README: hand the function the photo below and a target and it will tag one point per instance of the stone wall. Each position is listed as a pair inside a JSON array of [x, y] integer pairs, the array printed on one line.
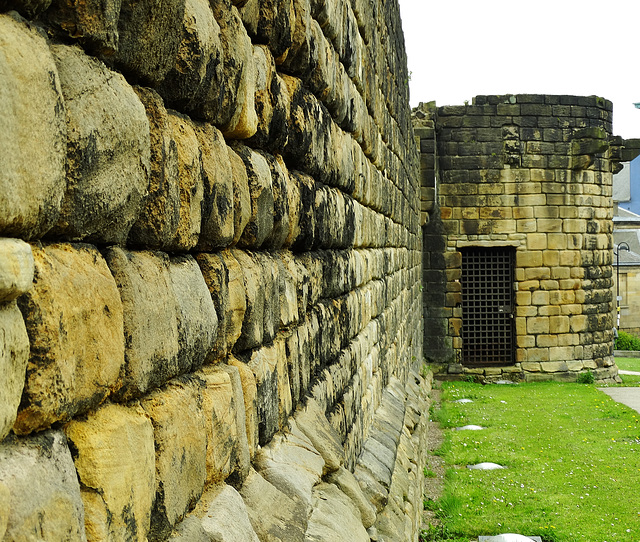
[[210, 265], [530, 175]]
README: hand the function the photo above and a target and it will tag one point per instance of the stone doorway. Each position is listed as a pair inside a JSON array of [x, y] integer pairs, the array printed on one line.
[[487, 306]]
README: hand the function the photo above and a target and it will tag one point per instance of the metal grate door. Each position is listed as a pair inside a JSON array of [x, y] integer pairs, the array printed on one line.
[[487, 305]]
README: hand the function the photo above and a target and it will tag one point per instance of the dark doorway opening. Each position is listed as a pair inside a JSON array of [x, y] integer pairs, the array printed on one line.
[[487, 305]]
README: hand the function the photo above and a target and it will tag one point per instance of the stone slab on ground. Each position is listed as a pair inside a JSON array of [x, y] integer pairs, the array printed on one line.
[[509, 538]]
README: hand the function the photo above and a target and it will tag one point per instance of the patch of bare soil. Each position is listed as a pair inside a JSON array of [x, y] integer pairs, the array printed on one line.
[[435, 468]]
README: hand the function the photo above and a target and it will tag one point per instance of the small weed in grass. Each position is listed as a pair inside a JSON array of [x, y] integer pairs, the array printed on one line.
[[586, 378], [568, 449], [428, 473], [439, 533]]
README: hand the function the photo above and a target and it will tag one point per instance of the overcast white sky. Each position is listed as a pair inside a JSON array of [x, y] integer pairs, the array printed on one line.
[[458, 49]]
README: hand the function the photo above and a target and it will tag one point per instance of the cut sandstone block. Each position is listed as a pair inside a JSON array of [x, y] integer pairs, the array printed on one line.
[[218, 200], [264, 364], [115, 460], [16, 268], [348, 484], [241, 196], [198, 61], [197, 319], [93, 22], [223, 276], [253, 322], [30, 197], [191, 188], [149, 37], [249, 392], [292, 464], [286, 203], [14, 355], [74, 319], [220, 516], [311, 420], [223, 406], [158, 221], [261, 222], [334, 517], [230, 103], [108, 150], [181, 453], [39, 489], [273, 514], [150, 316]]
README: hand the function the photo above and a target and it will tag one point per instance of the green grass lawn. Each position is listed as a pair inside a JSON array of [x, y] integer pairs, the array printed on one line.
[[629, 364], [572, 456]]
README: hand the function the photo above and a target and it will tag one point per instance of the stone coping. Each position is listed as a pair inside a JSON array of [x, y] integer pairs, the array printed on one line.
[[627, 353]]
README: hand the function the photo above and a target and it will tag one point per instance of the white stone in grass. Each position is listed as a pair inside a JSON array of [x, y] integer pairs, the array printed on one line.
[[469, 428], [509, 537], [486, 466], [504, 382], [463, 401]]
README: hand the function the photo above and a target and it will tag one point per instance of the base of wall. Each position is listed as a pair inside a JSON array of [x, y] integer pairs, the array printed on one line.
[[518, 373]]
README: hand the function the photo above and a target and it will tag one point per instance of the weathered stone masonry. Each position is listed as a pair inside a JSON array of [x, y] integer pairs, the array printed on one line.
[[210, 266], [529, 177]]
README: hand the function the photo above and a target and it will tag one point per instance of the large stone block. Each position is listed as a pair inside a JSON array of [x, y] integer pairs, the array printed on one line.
[[74, 319], [30, 197], [149, 38], [334, 517], [181, 453], [291, 464], [311, 420], [264, 364], [198, 60], [305, 237], [250, 393], [218, 199], [265, 69], [197, 319], [223, 406], [115, 460], [225, 281], [271, 280], [14, 355], [286, 202], [274, 515], [108, 150], [270, 22], [221, 515], [230, 103], [39, 489], [150, 319], [27, 8], [157, 223], [253, 322], [241, 196], [303, 53], [191, 187], [93, 22], [216, 277], [16, 268], [348, 484], [288, 285], [261, 221]]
